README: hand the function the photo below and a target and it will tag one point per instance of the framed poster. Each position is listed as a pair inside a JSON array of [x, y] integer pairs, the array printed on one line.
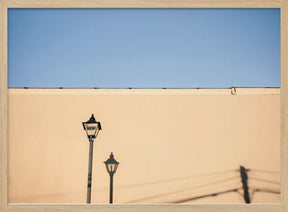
[[142, 153]]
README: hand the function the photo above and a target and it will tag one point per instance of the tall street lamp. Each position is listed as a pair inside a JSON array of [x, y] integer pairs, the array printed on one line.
[[92, 128], [111, 166]]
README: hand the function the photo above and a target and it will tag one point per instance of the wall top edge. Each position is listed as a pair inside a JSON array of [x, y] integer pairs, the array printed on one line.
[[200, 91]]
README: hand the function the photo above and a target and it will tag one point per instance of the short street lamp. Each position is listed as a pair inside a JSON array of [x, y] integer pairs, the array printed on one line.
[[92, 128], [111, 166]]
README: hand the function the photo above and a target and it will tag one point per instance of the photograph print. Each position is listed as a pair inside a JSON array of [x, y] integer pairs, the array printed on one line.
[[143, 106]]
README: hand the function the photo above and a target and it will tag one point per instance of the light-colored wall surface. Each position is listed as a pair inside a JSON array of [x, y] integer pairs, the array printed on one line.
[[170, 146]]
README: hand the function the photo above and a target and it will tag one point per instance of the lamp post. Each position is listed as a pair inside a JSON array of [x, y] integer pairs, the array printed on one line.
[[111, 166], [92, 128]]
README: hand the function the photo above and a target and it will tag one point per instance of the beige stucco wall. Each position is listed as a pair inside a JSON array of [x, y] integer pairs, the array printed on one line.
[[171, 144]]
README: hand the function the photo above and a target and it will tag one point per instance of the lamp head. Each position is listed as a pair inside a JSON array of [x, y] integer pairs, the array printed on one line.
[[111, 164], [92, 128]]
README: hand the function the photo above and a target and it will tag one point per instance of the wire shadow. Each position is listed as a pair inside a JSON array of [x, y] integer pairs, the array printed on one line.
[[264, 171], [179, 191], [207, 195], [175, 179], [266, 190], [264, 180]]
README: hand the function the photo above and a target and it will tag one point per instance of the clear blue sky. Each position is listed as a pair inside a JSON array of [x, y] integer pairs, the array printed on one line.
[[144, 48]]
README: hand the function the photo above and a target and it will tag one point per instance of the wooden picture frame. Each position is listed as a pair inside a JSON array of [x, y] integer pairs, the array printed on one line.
[[5, 4]]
